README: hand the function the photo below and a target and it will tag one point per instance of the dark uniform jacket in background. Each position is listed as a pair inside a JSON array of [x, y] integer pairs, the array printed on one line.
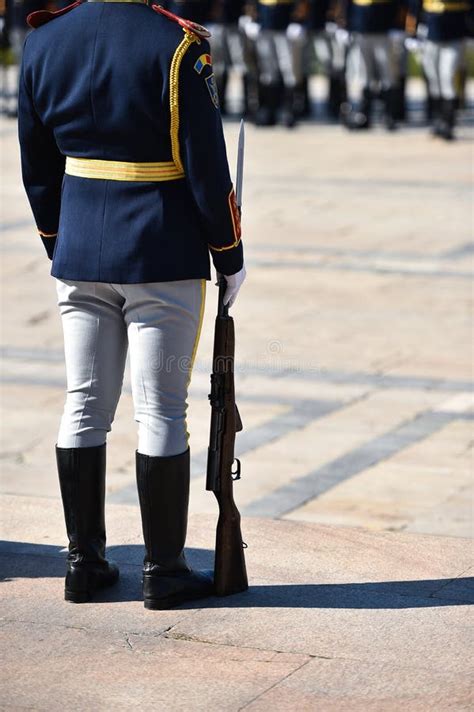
[[275, 14], [120, 82], [372, 16], [195, 10], [317, 14], [227, 12], [445, 20]]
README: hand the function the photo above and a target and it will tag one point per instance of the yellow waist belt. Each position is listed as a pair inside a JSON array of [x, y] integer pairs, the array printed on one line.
[[366, 3], [440, 7], [122, 170]]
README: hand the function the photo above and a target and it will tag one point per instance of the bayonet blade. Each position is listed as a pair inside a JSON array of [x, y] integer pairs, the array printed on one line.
[[239, 182]]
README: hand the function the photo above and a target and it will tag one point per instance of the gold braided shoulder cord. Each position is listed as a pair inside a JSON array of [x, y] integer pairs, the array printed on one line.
[[183, 47]]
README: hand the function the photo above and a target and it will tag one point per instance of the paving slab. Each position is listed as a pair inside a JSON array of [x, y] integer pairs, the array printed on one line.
[[336, 618]]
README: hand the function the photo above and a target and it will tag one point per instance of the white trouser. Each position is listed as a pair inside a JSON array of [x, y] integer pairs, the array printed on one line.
[[280, 56], [330, 53], [227, 49], [441, 61], [399, 55], [161, 323], [369, 59]]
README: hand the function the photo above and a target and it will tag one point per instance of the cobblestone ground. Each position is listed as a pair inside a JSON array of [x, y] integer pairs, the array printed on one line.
[[354, 336]]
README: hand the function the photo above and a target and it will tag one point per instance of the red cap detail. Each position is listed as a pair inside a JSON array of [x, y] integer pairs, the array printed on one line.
[[41, 17], [198, 30]]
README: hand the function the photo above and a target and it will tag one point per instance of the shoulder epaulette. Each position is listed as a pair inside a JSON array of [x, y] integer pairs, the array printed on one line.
[[187, 25], [41, 17]]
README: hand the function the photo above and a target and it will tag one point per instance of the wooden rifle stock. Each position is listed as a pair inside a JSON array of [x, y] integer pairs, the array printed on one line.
[[230, 574]]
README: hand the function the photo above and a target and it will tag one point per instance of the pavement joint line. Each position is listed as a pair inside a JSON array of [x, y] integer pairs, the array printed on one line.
[[275, 684], [325, 375], [300, 416], [294, 183], [294, 495], [455, 253], [17, 224], [449, 582], [347, 267]]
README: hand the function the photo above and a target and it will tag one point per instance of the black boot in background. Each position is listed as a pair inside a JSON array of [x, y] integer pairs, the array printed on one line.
[[82, 480], [163, 491], [359, 116], [389, 101], [435, 116], [448, 116], [337, 95], [269, 96], [288, 114]]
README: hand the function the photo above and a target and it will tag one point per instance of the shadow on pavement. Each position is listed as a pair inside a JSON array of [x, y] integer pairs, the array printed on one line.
[[22, 560]]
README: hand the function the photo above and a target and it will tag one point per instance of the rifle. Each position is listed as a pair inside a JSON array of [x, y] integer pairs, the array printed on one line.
[[230, 574]]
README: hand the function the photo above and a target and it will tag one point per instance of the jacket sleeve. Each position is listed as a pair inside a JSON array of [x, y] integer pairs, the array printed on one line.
[[203, 154], [42, 166]]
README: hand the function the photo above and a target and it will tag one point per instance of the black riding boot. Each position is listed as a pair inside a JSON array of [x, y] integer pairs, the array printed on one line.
[[163, 491], [269, 96], [337, 95], [82, 481], [435, 116], [389, 100], [288, 115], [448, 116], [356, 118]]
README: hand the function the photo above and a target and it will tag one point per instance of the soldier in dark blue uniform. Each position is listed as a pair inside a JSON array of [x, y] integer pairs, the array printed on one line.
[[227, 44], [330, 52], [369, 22], [446, 24], [280, 52], [125, 168]]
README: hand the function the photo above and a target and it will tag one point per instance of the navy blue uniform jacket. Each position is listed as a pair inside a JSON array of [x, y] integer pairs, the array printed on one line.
[[196, 10], [275, 15], [120, 82], [317, 15], [372, 16], [446, 20]]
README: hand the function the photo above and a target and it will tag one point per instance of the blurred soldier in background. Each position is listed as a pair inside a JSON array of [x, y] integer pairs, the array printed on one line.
[[280, 54], [4, 51], [443, 25], [227, 45], [370, 61], [326, 46], [399, 54], [16, 29]]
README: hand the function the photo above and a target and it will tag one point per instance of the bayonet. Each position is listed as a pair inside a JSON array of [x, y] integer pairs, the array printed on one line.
[[239, 182]]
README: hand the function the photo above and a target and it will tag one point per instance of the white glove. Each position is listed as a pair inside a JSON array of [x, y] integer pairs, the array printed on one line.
[[234, 283], [342, 36], [296, 32]]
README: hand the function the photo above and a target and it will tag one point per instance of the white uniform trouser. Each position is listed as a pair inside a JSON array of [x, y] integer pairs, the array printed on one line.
[[329, 52], [369, 59], [280, 56], [161, 323], [441, 61], [227, 49]]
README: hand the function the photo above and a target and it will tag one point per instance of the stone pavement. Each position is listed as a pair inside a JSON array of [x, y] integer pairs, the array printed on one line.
[[354, 383], [336, 619]]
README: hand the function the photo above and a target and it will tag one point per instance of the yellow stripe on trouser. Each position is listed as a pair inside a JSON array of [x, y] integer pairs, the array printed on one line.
[[122, 170], [196, 342]]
